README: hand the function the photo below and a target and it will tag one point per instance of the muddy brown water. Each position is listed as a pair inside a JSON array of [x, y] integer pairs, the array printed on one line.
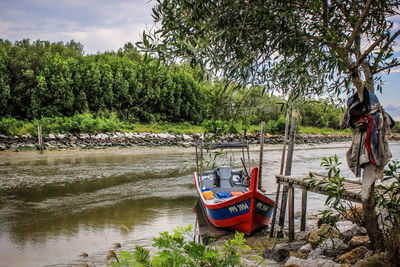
[[55, 206]]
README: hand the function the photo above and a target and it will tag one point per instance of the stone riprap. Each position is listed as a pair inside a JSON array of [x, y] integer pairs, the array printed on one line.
[[118, 139]]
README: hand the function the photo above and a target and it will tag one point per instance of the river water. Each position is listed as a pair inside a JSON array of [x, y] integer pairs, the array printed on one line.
[[57, 205]]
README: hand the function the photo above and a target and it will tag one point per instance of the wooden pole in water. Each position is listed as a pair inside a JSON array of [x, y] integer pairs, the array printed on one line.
[[278, 186], [40, 139], [303, 210], [288, 171], [261, 154]]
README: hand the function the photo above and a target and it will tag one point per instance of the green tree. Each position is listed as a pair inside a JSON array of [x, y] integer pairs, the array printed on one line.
[[304, 47]]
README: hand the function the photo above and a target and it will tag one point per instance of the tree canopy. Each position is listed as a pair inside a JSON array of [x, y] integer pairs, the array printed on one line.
[[295, 46]]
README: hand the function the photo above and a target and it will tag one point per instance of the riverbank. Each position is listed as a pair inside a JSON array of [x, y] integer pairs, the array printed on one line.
[[117, 139]]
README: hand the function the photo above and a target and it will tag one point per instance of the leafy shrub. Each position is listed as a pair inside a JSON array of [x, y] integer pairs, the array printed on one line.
[[11, 126], [177, 250]]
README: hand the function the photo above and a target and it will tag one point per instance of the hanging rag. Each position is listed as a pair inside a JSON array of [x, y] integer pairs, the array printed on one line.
[[371, 127]]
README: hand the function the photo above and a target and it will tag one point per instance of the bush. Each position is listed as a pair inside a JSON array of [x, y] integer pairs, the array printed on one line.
[[11, 126], [178, 250]]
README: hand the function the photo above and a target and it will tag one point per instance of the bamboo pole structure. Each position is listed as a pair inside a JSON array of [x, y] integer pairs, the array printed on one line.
[[288, 171], [278, 186]]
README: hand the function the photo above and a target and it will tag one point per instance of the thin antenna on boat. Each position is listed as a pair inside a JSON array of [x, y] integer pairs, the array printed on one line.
[[243, 158], [197, 161], [261, 154], [248, 155], [201, 165]]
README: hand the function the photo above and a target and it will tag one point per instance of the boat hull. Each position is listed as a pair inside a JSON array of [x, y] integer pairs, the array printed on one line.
[[245, 213]]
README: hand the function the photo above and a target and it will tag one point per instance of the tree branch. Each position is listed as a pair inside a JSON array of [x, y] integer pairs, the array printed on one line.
[[369, 50], [342, 10], [358, 26], [377, 59], [387, 67], [391, 40], [325, 15]]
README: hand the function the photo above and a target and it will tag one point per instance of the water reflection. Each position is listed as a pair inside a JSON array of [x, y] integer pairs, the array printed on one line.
[[55, 206]]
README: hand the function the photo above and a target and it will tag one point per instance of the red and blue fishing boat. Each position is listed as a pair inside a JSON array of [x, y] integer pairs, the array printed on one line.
[[232, 199]]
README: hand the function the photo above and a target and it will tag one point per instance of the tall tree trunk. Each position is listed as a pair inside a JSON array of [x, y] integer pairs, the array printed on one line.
[[368, 185], [368, 201], [369, 80], [394, 257]]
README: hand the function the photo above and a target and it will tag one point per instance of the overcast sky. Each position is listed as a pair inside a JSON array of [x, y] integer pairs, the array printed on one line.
[[101, 25]]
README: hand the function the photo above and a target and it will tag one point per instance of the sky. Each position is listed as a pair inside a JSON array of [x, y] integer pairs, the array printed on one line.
[[106, 25]]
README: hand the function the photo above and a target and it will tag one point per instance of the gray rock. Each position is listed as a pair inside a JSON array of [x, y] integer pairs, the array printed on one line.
[[61, 136], [101, 136], [316, 253], [129, 135], [311, 262], [302, 235], [187, 138], [349, 229], [163, 135], [306, 248], [52, 137], [2, 136], [84, 136], [278, 255], [292, 246], [368, 254], [332, 246]]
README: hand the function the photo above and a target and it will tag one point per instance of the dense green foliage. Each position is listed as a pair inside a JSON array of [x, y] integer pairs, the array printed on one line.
[[56, 85], [46, 79]]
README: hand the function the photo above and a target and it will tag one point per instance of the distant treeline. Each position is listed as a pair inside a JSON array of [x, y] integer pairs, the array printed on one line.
[[45, 80]]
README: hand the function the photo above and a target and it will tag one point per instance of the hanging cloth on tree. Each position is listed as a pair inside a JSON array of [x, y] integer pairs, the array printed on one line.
[[371, 129]]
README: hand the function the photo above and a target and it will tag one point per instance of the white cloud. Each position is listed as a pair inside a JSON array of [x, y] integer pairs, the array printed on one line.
[[393, 111], [395, 70], [99, 25]]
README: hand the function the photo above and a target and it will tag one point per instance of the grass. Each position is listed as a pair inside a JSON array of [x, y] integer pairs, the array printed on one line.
[[323, 131], [182, 128], [88, 123]]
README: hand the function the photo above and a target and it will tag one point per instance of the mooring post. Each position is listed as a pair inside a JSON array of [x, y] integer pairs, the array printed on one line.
[[291, 213], [288, 171], [303, 210], [40, 139], [278, 186]]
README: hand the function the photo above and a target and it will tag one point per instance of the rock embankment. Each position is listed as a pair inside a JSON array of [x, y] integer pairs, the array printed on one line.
[[345, 244], [117, 139]]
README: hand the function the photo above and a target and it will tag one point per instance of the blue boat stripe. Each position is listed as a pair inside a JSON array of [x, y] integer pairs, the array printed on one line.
[[230, 211], [263, 209]]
